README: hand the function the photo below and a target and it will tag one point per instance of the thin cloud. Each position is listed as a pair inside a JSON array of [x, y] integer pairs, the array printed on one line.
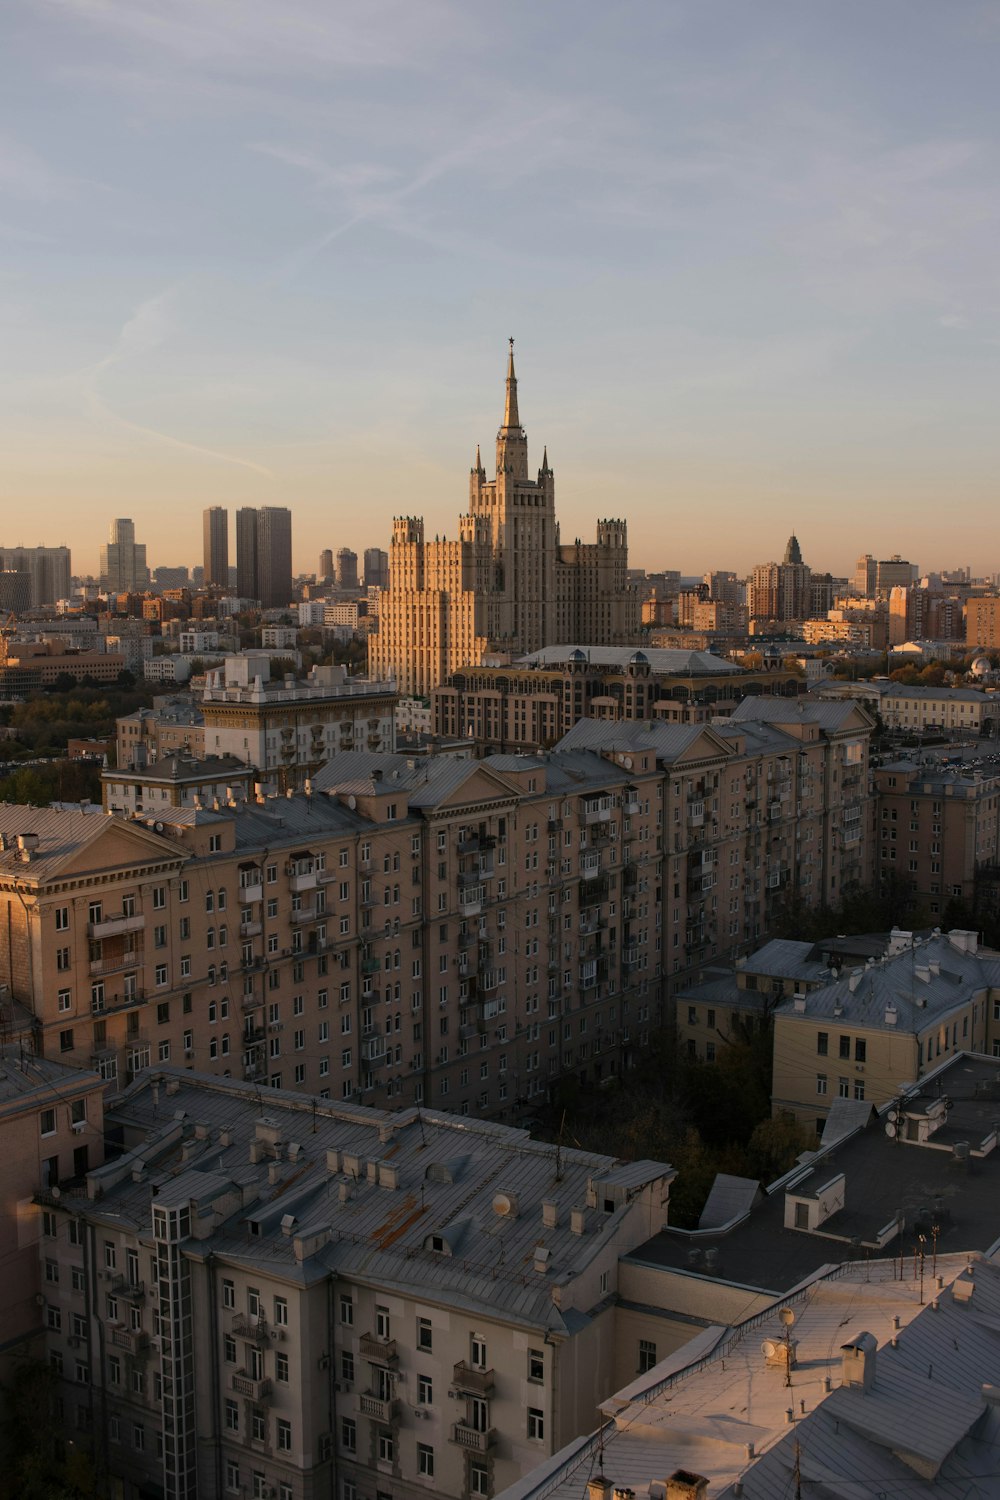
[[142, 333]]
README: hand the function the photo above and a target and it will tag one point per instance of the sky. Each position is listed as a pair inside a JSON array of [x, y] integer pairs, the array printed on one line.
[[271, 254]]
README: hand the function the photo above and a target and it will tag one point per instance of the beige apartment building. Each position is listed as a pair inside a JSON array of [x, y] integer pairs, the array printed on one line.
[[507, 583], [52, 1120], [175, 780], [288, 729], [172, 724], [936, 829], [771, 803], [318, 1300], [952, 710], [452, 932]]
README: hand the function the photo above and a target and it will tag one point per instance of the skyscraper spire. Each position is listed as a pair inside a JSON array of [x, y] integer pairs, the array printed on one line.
[[510, 417], [477, 467]]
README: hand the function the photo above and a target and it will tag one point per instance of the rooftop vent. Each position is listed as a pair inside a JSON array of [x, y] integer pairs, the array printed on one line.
[[682, 1484], [857, 1361]]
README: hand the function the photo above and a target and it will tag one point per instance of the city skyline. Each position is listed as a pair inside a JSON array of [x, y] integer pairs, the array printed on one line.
[[747, 255]]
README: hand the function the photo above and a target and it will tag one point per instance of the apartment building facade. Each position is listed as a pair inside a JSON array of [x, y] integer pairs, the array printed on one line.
[[287, 729], [772, 803], [937, 829], [331, 1301], [507, 582], [451, 932], [951, 710]]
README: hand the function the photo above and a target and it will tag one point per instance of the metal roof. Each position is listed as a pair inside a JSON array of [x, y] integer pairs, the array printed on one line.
[[665, 661]]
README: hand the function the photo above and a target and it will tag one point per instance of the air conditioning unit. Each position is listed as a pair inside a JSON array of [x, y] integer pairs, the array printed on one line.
[[455, 1395], [77, 1126], [324, 1364]]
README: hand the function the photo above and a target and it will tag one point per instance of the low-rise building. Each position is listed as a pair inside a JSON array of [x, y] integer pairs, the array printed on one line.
[[869, 1031], [176, 780], [324, 1300], [949, 710], [173, 723]]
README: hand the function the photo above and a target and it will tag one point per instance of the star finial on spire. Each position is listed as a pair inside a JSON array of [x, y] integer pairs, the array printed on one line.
[[510, 417]]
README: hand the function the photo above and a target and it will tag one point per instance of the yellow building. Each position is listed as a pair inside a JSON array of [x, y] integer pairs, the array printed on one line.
[[878, 1027]]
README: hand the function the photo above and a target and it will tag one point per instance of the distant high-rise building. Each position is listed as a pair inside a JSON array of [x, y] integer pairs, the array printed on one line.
[[781, 591], [15, 592], [376, 568], [123, 560], [865, 576], [274, 556], [48, 568], [894, 572], [325, 565], [507, 583], [347, 568], [216, 533], [247, 578], [171, 578]]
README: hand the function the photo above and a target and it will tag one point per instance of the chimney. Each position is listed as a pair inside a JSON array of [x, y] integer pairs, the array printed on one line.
[[577, 1217], [684, 1485], [550, 1215], [599, 1488], [857, 1361], [855, 979]]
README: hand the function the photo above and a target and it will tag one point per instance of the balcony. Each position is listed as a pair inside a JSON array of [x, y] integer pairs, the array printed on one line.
[[371, 966], [251, 929], [250, 1328], [590, 868], [115, 926], [373, 1053], [305, 880], [132, 1291], [304, 914], [470, 900], [132, 1340], [468, 1437], [375, 1406], [466, 1377], [696, 813], [252, 892], [258, 1390], [379, 1351], [630, 877], [115, 963], [596, 812]]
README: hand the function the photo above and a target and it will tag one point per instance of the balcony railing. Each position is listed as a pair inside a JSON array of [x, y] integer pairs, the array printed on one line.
[[132, 1340], [304, 914], [466, 1377], [114, 963], [305, 881], [469, 1437], [383, 1410], [252, 892], [379, 1351], [115, 926], [246, 1385], [250, 1328]]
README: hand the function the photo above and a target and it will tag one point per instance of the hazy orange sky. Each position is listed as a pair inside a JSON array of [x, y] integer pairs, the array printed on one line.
[[259, 255]]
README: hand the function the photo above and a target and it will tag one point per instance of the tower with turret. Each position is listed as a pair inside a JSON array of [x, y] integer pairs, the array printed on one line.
[[507, 584]]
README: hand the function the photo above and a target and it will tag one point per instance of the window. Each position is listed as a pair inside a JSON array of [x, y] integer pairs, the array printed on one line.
[[66, 1040], [477, 1352], [281, 1312], [860, 1049], [386, 1447], [253, 1302], [822, 1043], [232, 1476], [821, 1083], [281, 1367], [844, 1088], [382, 1322], [228, 1294], [347, 1310], [536, 1364], [425, 1461], [232, 1416], [647, 1355], [62, 919], [229, 1349], [47, 1122], [425, 1390], [478, 1479], [258, 1425], [284, 1433], [425, 1334], [845, 1047], [536, 1423]]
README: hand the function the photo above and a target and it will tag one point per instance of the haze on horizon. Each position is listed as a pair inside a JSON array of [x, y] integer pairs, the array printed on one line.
[[258, 255]]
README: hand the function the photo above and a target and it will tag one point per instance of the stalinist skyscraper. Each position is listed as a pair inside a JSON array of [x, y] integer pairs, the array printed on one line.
[[507, 583]]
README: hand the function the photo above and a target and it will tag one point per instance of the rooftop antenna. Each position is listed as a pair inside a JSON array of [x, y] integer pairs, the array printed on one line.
[[260, 1102], [314, 1115], [423, 1138]]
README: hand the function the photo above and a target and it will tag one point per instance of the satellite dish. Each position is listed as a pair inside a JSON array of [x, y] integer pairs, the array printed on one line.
[[769, 1348], [56, 1192], [158, 827], [890, 1130], [352, 802], [627, 762], [787, 1316], [894, 1115]]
